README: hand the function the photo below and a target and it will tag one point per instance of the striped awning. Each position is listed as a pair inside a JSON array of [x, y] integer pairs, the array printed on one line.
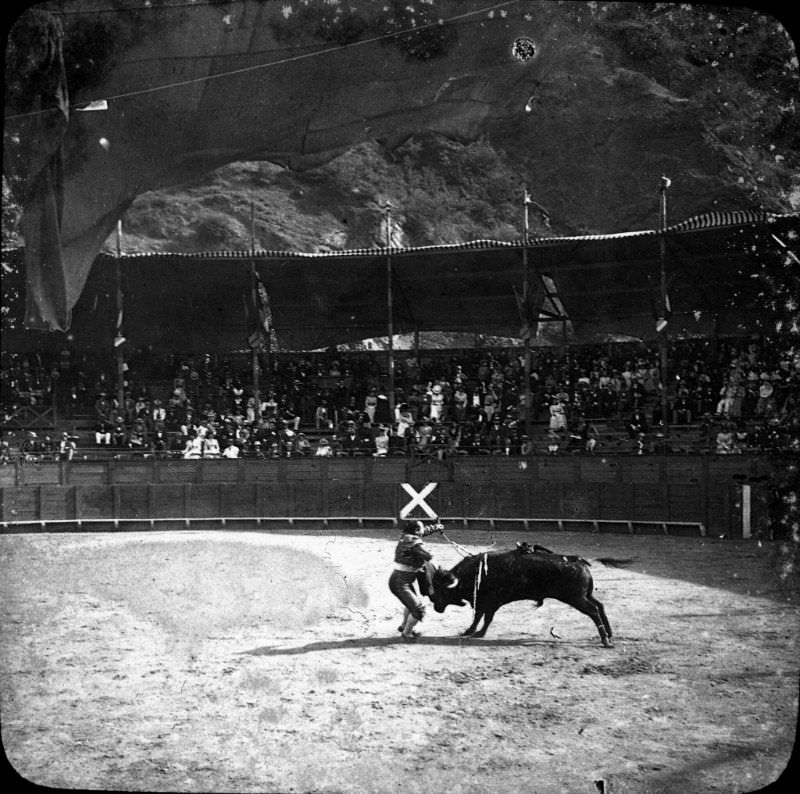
[[606, 284], [720, 219]]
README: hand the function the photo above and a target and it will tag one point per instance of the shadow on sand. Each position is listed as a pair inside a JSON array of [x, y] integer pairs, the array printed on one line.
[[384, 642]]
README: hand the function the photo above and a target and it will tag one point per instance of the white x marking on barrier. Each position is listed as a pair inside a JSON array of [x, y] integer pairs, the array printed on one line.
[[418, 499]]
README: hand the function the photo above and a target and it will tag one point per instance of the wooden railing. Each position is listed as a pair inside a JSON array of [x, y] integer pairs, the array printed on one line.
[[29, 417]]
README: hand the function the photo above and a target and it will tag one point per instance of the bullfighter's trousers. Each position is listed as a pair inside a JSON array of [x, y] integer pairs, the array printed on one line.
[[401, 583]]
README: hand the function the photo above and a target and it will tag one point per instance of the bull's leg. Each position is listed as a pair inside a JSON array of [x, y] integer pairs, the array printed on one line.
[[474, 624], [488, 617], [601, 610], [589, 606]]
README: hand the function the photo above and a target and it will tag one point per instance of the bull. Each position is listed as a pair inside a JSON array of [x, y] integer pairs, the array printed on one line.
[[492, 579]]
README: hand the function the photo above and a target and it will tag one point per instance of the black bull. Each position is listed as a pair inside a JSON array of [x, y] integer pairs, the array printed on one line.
[[488, 581]]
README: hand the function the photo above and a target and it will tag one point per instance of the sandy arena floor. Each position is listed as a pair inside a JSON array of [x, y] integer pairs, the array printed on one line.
[[267, 662]]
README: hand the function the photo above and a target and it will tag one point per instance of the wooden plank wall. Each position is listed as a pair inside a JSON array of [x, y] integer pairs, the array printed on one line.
[[673, 488]]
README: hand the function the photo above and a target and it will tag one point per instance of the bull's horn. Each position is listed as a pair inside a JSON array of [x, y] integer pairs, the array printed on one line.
[[455, 583]]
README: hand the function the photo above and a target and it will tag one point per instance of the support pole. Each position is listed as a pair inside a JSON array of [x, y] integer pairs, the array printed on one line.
[[389, 310], [118, 338], [256, 367], [528, 329], [663, 341]]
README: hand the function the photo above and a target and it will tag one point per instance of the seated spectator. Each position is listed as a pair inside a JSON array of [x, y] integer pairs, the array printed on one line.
[[741, 438], [286, 436], [489, 404], [424, 437], [210, 448], [6, 455], [657, 415], [370, 405], [682, 409], [637, 425], [724, 440], [460, 400], [437, 402], [351, 440], [231, 451], [102, 433], [250, 411], [405, 422], [66, 447], [194, 447], [510, 434], [302, 445], [588, 435], [558, 416], [102, 406], [381, 442], [324, 449], [452, 440], [119, 434], [242, 435], [158, 412], [495, 436], [269, 407], [237, 396], [159, 443], [322, 420], [189, 425], [136, 437], [176, 445], [289, 416], [765, 407]]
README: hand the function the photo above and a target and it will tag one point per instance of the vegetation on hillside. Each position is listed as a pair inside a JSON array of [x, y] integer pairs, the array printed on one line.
[[736, 71], [441, 191]]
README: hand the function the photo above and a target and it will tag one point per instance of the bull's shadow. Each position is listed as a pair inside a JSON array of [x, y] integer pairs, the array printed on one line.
[[383, 642]]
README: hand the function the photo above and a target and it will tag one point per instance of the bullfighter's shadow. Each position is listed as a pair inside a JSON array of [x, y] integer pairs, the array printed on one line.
[[383, 642]]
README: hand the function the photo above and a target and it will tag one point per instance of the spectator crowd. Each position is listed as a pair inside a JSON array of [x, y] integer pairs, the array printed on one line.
[[736, 395]]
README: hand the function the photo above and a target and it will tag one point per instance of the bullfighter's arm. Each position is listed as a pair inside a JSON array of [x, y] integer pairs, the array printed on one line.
[[429, 529], [420, 550]]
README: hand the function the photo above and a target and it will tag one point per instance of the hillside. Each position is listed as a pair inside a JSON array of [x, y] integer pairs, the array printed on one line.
[[702, 94], [440, 191], [315, 112]]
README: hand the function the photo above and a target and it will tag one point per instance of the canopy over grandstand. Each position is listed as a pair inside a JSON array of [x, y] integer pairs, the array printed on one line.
[[605, 285]]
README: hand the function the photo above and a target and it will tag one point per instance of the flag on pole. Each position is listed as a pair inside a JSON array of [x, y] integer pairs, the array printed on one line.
[[119, 339], [528, 304], [262, 305], [261, 318]]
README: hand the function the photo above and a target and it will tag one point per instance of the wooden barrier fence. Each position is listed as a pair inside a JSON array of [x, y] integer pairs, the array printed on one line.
[[667, 493]]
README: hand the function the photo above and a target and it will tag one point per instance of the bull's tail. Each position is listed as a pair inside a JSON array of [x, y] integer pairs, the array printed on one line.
[[615, 562]]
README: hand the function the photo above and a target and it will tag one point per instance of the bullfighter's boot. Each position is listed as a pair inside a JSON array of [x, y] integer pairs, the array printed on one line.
[[406, 613], [408, 626]]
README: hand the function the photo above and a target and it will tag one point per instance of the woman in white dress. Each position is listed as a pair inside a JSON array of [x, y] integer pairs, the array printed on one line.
[[558, 417]]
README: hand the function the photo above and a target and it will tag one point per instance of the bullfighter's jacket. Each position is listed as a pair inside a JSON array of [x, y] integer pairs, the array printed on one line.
[[411, 554]]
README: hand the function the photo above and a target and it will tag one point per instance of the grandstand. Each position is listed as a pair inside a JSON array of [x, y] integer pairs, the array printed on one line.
[[255, 355]]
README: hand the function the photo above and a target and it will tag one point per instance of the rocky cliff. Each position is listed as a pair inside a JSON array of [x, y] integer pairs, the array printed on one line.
[[327, 109]]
